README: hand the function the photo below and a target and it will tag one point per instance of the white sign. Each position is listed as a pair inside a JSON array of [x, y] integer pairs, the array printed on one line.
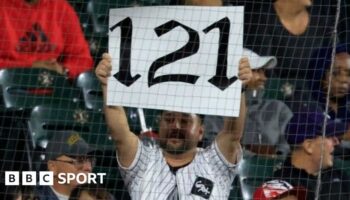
[[179, 58]]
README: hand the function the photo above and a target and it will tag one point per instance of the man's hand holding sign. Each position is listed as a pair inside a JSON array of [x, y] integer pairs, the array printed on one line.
[[145, 70]]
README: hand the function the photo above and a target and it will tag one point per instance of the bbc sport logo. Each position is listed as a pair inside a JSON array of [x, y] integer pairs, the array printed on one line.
[[46, 178]]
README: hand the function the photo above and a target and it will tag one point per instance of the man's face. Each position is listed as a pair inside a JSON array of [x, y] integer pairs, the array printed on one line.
[[258, 79], [328, 144], [179, 132], [340, 83], [65, 164]]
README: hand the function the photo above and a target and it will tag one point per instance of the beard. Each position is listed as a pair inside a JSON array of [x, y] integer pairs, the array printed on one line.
[[166, 145]]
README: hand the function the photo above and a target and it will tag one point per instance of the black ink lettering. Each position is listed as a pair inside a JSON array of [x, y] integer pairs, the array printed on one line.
[[220, 79], [124, 74], [189, 49]]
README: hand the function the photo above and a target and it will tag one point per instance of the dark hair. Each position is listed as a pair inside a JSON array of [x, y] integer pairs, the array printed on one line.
[[94, 190]]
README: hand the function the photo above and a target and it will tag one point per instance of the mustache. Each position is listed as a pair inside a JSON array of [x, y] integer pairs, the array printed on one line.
[[179, 134]]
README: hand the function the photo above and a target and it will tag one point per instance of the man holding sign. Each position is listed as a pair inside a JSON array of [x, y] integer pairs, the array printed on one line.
[[177, 169]]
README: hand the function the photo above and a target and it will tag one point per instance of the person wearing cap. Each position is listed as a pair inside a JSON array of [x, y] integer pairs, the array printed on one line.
[[176, 168], [66, 152], [281, 190], [312, 154], [321, 78], [266, 119]]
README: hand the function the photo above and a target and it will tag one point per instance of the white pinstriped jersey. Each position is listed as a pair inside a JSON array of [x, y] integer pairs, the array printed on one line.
[[208, 176]]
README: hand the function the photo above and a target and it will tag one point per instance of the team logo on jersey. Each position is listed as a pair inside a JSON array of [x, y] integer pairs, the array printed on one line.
[[202, 187]]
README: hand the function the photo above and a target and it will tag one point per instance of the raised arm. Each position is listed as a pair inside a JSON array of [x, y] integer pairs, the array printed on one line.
[[126, 141], [228, 140]]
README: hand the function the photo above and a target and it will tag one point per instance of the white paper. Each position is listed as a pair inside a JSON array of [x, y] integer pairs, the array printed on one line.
[[201, 97]]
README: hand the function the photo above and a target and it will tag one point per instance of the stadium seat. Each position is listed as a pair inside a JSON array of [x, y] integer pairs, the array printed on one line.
[[91, 91], [99, 12], [24, 88], [46, 120], [93, 100], [253, 170], [235, 193], [344, 165], [80, 8], [97, 30], [286, 89]]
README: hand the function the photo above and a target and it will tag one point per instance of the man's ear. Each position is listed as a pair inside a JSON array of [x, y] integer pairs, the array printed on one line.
[[308, 146], [201, 132]]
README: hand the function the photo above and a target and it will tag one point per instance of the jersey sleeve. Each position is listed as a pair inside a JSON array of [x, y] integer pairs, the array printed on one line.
[[139, 164], [218, 162]]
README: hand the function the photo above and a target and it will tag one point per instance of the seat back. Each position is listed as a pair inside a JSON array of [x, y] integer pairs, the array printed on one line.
[[91, 91], [286, 89], [24, 88], [90, 88], [253, 171], [45, 121], [99, 12]]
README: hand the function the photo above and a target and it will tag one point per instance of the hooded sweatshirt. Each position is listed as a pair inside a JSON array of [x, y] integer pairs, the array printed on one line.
[[47, 30]]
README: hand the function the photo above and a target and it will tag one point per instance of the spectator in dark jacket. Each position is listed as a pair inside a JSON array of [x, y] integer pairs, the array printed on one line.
[[66, 152], [312, 155]]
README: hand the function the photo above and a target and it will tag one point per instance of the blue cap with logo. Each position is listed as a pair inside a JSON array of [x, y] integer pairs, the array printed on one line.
[[308, 124], [67, 143]]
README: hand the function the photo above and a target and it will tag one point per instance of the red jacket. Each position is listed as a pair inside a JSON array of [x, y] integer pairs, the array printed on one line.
[[47, 30]]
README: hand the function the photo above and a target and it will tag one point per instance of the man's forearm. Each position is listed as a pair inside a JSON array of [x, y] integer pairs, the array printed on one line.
[[115, 119], [235, 125]]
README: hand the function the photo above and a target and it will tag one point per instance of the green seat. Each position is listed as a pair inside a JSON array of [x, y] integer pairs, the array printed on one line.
[[80, 8], [91, 91], [151, 117], [285, 89], [45, 121], [24, 88], [99, 12], [253, 171], [235, 192], [343, 165]]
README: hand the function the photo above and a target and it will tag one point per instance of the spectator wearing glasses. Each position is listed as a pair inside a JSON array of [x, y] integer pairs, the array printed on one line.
[[66, 152], [336, 80]]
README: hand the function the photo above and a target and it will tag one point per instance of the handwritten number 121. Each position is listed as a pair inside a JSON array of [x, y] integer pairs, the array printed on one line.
[[219, 80]]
